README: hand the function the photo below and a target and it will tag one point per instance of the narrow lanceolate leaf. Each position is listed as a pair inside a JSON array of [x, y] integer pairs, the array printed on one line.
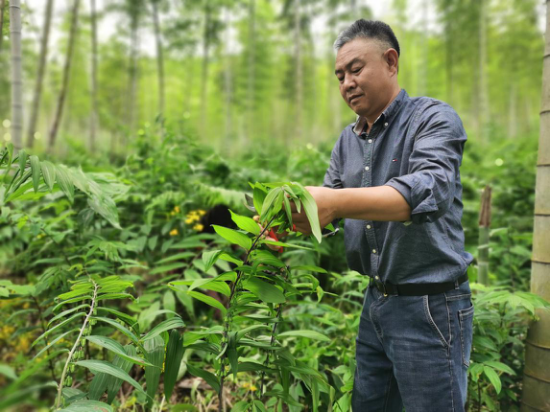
[[245, 223], [123, 316], [310, 206], [35, 167], [72, 300], [170, 324], [210, 378], [154, 351], [116, 348], [57, 327], [104, 382], [48, 172], [55, 340], [65, 182], [270, 203], [87, 406], [233, 236], [101, 366], [209, 258], [119, 327], [67, 312], [264, 291], [493, 377], [174, 354], [305, 333], [208, 300]]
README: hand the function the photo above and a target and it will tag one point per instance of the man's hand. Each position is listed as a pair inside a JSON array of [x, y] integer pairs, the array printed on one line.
[[324, 198]]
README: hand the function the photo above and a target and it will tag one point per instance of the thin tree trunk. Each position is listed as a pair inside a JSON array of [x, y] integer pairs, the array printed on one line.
[[536, 381], [483, 93], [94, 118], [2, 6], [133, 76], [299, 69], [160, 62], [251, 68], [205, 61], [66, 73], [483, 243], [512, 112], [423, 69], [16, 74], [40, 78], [227, 80]]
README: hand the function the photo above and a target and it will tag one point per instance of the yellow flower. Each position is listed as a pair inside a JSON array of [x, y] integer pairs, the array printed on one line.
[[253, 388], [189, 221], [176, 209], [198, 227], [246, 385], [201, 212], [174, 232]]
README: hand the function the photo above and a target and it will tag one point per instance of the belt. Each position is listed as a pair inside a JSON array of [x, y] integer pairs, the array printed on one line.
[[388, 288]]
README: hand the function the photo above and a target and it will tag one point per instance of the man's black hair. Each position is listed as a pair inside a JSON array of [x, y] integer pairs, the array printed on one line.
[[368, 29]]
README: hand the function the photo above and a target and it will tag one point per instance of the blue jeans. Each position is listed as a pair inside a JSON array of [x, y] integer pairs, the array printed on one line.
[[413, 351]]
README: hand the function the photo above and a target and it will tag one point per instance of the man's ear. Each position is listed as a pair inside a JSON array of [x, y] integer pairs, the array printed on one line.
[[392, 59]]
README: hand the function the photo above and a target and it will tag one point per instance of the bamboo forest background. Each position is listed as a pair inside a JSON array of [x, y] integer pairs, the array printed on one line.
[[156, 111]]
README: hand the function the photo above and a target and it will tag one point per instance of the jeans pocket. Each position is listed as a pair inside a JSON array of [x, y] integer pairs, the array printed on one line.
[[466, 320], [437, 314]]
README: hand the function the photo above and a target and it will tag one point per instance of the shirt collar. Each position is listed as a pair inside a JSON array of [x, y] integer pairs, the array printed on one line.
[[385, 115]]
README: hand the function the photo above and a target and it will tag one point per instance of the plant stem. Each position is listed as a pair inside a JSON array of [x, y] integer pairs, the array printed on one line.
[[43, 331], [229, 314], [77, 341], [279, 311]]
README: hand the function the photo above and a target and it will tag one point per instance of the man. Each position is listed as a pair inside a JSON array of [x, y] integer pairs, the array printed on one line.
[[394, 177]]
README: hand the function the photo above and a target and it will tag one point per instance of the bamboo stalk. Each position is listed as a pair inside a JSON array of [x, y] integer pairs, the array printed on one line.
[[483, 242]]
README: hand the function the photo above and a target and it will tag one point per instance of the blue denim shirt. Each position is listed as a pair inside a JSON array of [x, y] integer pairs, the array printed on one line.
[[415, 146]]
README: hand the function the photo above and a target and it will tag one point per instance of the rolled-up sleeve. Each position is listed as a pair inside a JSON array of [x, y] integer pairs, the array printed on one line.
[[429, 186]]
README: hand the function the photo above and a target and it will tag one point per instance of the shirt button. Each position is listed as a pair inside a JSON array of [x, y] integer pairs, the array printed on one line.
[[377, 277], [374, 251], [368, 226], [366, 168], [369, 141], [386, 124]]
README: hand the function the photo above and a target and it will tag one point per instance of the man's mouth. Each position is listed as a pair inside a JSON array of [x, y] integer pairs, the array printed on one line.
[[354, 97]]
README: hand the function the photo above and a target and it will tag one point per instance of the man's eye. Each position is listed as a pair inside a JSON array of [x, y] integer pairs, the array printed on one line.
[[357, 70]]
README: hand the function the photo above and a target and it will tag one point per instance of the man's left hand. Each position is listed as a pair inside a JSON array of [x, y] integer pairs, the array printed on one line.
[[324, 198]]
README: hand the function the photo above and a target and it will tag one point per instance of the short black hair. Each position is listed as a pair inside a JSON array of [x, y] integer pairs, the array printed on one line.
[[368, 29]]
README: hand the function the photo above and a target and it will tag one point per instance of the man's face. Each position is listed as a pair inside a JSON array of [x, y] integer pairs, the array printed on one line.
[[367, 77]]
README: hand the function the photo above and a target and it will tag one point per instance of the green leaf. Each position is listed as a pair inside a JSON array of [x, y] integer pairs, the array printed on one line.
[[35, 168], [209, 258], [48, 172], [154, 349], [259, 195], [168, 267], [101, 366], [286, 244], [245, 223], [493, 378], [58, 326], [233, 236], [309, 268], [210, 378], [211, 284], [271, 203], [264, 291], [65, 182], [208, 300], [304, 333], [116, 348], [119, 327], [174, 354], [51, 343], [67, 312], [500, 366], [87, 406], [170, 324], [123, 316], [310, 206], [8, 372]]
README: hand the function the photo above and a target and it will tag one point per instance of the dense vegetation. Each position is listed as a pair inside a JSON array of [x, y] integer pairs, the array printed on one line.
[[116, 293]]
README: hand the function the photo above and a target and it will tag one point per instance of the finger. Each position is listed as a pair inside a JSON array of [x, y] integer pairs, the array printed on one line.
[[293, 207]]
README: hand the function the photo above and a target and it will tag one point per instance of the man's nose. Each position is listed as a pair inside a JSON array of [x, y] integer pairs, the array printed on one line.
[[348, 83]]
